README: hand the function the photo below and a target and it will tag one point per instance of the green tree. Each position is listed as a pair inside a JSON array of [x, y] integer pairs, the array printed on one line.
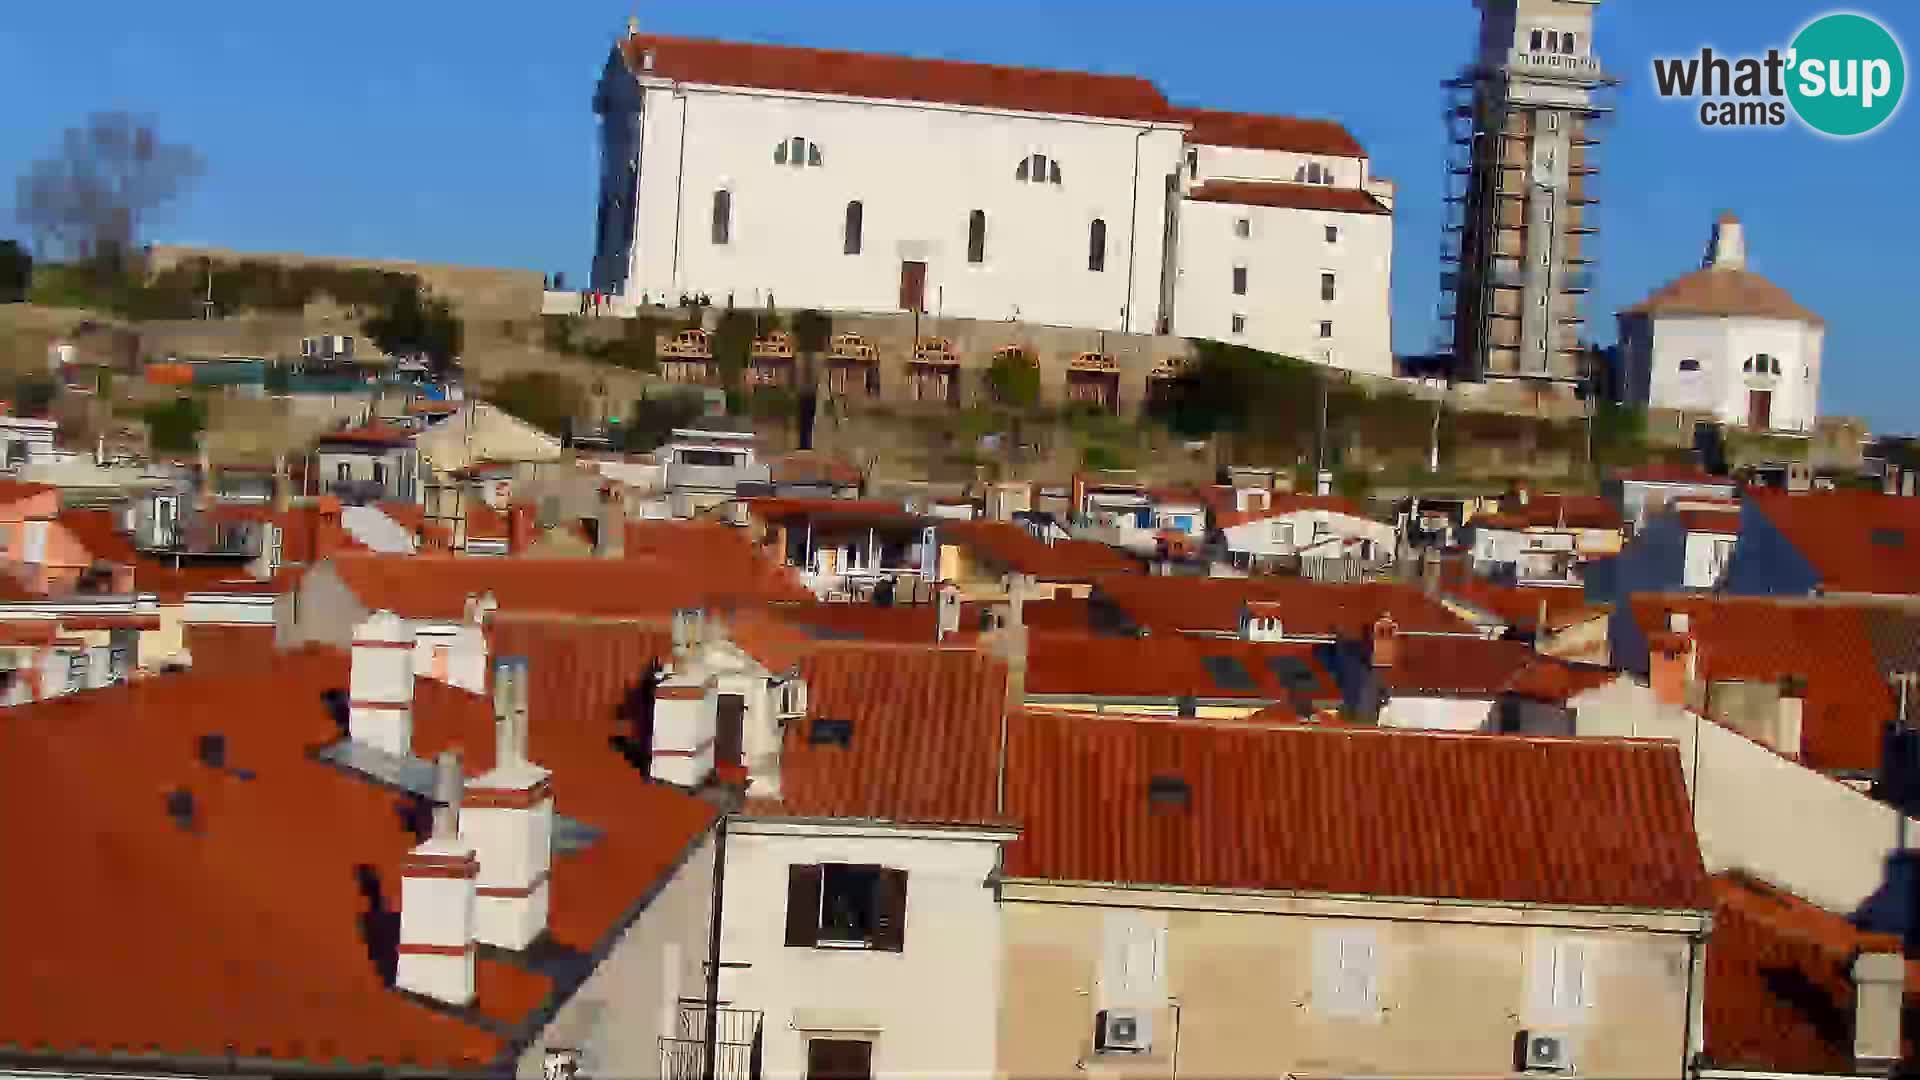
[[548, 401], [16, 272], [732, 344], [175, 426], [653, 419], [812, 330], [409, 322], [1014, 379]]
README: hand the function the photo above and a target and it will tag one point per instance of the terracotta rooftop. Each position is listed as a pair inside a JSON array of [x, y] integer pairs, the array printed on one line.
[[260, 948], [1762, 640], [1551, 511], [900, 78], [1519, 605], [1304, 809], [1165, 605], [1280, 503], [1545, 678], [924, 742], [15, 490], [1779, 987], [436, 587], [1288, 196], [1856, 541], [370, 435], [778, 508], [1724, 291], [229, 650], [100, 535], [172, 584], [1723, 522], [1454, 666], [1013, 548], [1253, 131], [906, 624], [1175, 666]]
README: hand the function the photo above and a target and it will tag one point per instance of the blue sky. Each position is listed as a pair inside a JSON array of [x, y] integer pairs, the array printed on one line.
[[462, 132]]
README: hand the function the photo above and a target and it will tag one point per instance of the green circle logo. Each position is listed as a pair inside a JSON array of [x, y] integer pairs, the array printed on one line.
[[1847, 75]]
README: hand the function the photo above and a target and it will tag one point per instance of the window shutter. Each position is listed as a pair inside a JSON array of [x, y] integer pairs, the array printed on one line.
[[890, 911], [803, 905], [1570, 976]]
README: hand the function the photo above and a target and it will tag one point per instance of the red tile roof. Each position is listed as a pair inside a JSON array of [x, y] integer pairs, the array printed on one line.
[[413, 518], [1724, 291], [906, 624], [12, 491], [1856, 541], [1724, 522], [1547, 679], [715, 548], [1553, 512], [100, 535], [307, 533], [772, 509], [1305, 808], [173, 584], [247, 935], [1065, 614], [1518, 606], [925, 737], [1288, 196], [1253, 131], [1280, 503], [430, 587], [899, 78], [1779, 987], [230, 650], [1757, 639], [1454, 666], [1170, 666], [372, 435], [1010, 547], [1165, 605]]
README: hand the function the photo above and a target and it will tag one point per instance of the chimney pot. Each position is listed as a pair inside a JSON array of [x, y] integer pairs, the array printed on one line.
[[1386, 642], [380, 684], [1879, 988], [437, 900], [509, 818]]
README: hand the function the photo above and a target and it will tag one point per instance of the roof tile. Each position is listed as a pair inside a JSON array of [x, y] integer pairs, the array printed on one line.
[[1857, 541], [1289, 196]]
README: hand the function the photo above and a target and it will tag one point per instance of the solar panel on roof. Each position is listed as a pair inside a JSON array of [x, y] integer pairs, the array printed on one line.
[[1228, 673], [1293, 672]]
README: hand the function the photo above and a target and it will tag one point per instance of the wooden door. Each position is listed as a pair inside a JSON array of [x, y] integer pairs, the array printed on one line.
[[839, 1059], [731, 723], [913, 286], [1760, 409]]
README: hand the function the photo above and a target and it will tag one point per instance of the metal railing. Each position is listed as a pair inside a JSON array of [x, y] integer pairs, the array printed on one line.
[[736, 1053]]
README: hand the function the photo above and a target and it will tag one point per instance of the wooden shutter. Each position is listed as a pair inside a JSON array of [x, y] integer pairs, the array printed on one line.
[[803, 905], [890, 911]]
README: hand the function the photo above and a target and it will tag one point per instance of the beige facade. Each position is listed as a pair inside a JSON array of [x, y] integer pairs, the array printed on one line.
[[1252, 985]]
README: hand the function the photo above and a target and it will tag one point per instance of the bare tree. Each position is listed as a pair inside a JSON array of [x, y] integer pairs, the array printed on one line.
[[90, 199]]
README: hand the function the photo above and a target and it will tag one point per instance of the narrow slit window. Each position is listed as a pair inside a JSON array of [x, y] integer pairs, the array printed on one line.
[[798, 155], [1097, 245], [722, 216], [1239, 281], [855, 213], [977, 236]]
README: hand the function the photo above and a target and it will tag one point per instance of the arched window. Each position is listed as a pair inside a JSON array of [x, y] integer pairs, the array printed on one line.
[[1097, 245], [1023, 170], [1053, 172], [1039, 174], [797, 152], [977, 236], [798, 155], [1748, 366], [722, 216], [855, 212], [1037, 169]]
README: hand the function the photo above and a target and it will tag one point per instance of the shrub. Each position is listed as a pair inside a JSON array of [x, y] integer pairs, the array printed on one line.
[[175, 426], [1013, 379], [545, 399]]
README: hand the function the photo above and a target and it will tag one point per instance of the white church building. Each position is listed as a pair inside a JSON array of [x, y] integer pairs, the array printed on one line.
[[1724, 340], [865, 183]]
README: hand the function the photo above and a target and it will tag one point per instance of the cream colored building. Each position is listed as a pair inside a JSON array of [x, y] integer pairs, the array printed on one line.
[[1269, 908]]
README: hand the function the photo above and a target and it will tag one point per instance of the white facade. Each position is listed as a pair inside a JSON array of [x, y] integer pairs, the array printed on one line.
[[765, 195], [1436, 713], [930, 1009], [1725, 342], [1303, 530], [1282, 262]]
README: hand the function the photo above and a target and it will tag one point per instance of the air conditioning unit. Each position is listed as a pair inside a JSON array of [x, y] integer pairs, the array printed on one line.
[[1122, 1031], [1543, 1052]]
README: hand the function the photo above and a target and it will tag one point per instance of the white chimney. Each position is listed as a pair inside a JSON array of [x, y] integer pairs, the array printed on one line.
[[508, 816], [1879, 987], [684, 724], [437, 901], [1678, 622], [1728, 248], [478, 607], [949, 613], [380, 685]]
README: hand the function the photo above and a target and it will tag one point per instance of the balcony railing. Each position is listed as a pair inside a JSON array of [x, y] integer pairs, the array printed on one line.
[[736, 1053]]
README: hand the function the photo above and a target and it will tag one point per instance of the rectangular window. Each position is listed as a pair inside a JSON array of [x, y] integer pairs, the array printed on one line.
[[1536, 39], [1333, 234], [1193, 163], [977, 236], [343, 472], [1326, 328], [1553, 41], [1346, 976], [1243, 227], [839, 1059], [1326, 287], [1239, 281], [1566, 43], [1562, 983], [379, 472], [847, 905], [1239, 323]]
